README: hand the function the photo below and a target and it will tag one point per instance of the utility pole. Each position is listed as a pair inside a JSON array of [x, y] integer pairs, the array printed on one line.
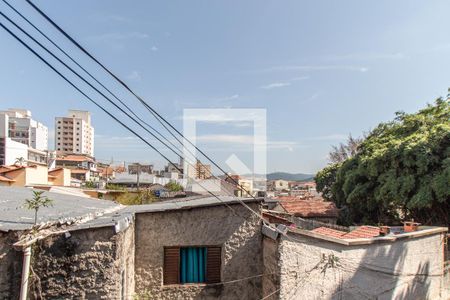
[[138, 173]]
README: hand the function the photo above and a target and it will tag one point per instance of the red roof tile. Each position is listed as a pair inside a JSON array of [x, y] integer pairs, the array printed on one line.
[[5, 179], [73, 157], [329, 232], [363, 232], [310, 208]]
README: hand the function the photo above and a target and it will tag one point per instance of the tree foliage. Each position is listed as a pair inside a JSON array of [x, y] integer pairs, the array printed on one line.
[[174, 186], [345, 150], [401, 170]]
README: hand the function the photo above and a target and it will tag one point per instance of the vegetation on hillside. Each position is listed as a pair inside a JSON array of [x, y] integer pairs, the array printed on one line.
[[401, 170]]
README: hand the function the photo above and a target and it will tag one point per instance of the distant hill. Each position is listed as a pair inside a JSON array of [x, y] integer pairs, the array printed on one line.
[[290, 176]]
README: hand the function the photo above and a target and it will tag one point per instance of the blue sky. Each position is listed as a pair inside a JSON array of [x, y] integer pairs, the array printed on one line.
[[322, 69]]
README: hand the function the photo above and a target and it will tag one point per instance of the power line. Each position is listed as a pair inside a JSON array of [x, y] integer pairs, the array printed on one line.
[[157, 116], [112, 102], [110, 114], [111, 93]]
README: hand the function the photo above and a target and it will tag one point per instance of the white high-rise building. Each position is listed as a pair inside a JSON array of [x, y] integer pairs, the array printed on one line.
[[23, 129], [74, 134], [21, 136]]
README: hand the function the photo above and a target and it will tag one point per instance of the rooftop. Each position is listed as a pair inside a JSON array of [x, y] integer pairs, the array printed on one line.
[[87, 212], [364, 235], [310, 208], [66, 208], [74, 157]]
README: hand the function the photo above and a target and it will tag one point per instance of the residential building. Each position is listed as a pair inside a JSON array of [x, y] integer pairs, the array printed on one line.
[[23, 129], [137, 251], [82, 167], [206, 248], [74, 134], [140, 168], [323, 211], [278, 185], [197, 170], [21, 137], [202, 171], [33, 175]]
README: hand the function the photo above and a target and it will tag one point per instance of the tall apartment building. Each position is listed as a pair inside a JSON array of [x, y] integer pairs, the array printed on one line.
[[198, 170], [74, 134], [22, 137]]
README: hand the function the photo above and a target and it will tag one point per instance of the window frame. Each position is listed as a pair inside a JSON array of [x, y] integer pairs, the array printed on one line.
[[207, 280]]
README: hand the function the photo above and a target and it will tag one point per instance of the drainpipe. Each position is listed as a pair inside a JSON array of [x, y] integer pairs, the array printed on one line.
[[25, 272]]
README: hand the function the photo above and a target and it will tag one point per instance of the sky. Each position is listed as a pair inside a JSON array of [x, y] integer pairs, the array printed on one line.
[[321, 70]]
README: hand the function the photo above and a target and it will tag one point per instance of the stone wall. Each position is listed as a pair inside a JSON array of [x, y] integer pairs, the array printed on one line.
[[240, 238], [87, 265], [10, 266], [409, 268]]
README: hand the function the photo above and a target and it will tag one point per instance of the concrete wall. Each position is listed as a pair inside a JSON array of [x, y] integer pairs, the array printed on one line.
[[241, 251], [270, 282], [62, 177], [409, 268], [89, 264]]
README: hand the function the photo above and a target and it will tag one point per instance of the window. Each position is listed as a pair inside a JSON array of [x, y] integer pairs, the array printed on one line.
[[192, 265]]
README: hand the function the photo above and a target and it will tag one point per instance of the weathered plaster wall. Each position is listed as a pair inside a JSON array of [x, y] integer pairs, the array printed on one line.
[[241, 253], [10, 266], [271, 266], [87, 265], [405, 269]]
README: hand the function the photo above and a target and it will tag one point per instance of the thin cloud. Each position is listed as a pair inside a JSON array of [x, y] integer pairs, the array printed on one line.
[[241, 140], [111, 18], [275, 85], [154, 48], [330, 137], [367, 56], [283, 83], [227, 98], [116, 36], [135, 76], [361, 69]]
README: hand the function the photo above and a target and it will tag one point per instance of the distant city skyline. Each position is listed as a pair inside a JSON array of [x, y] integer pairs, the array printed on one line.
[[319, 81]]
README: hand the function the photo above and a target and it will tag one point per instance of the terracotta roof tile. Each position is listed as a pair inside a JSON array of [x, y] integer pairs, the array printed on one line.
[[329, 232], [366, 232], [310, 208], [78, 171], [6, 179], [363, 232], [75, 158]]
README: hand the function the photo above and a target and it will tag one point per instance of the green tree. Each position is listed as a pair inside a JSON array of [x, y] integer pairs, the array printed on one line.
[[19, 161], [37, 202], [401, 170], [174, 187]]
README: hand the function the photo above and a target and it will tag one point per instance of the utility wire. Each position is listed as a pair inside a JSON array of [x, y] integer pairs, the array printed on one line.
[[110, 114], [157, 116], [86, 71], [108, 90], [112, 102]]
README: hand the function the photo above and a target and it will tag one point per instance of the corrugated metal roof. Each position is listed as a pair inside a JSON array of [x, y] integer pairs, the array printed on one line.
[[13, 215]]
